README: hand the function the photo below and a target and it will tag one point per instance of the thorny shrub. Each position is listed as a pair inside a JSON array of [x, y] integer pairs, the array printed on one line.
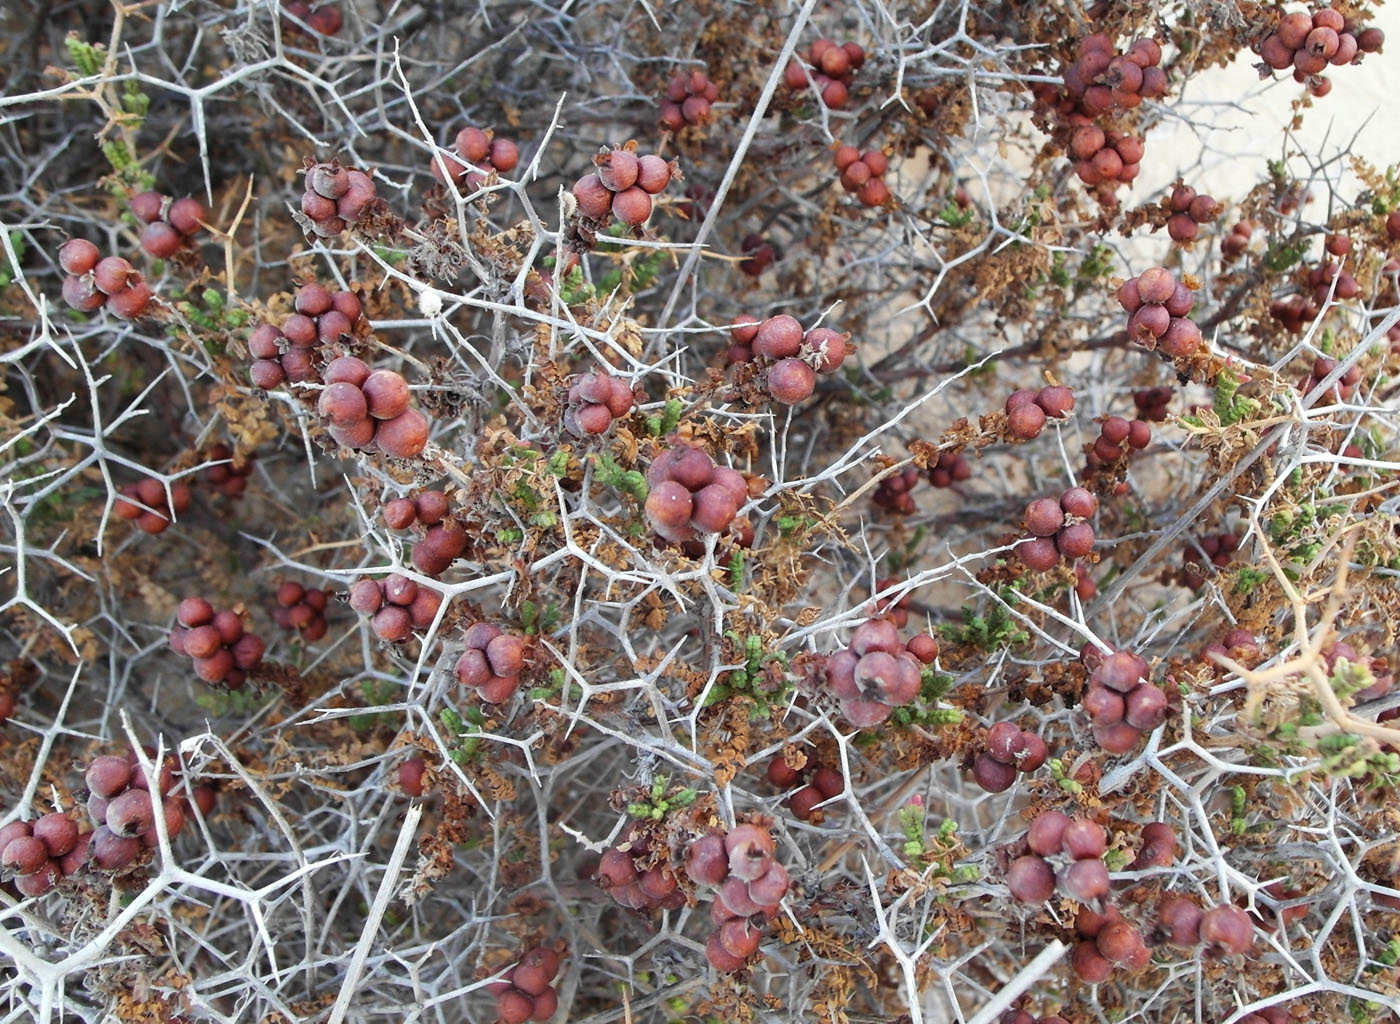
[[493, 522]]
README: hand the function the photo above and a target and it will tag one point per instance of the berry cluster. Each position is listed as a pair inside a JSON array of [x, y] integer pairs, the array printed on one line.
[[335, 197], [301, 609], [1059, 528], [798, 356], [878, 672], [1189, 211], [894, 609], [687, 100], [623, 184], [818, 785], [288, 352], [1117, 437], [623, 877], [527, 993], [442, 542], [863, 174], [595, 400], [1218, 548], [231, 477], [222, 651], [1159, 304], [1106, 941], [1236, 241], [760, 253], [369, 410], [1009, 749], [690, 495], [1105, 158], [1152, 403], [751, 884], [953, 468], [1224, 929], [1239, 645], [1298, 309], [148, 503], [1100, 80], [492, 662], [1027, 410], [93, 282], [42, 851], [1308, 43], [123, 809], [481, 152], [1342, 389], [830, 68], [894, 493], [1120, 700], [1158, 848], [397, 605], [426, 507], [323, 19], [1064, 854], [169, 223]]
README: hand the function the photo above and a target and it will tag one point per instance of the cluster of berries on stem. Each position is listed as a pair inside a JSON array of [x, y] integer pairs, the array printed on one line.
[[149, 504], [335, 197], [41, 852], [287, 353], [750, 884], [862, 174], [1063, 854], [443, 540], [1059, 528], [481, 152], [828, 66], [1008, 749], [230, 476], [170, 223], [396, 604], [690, 495], [216, 641], [95, 281], [1117, 437], [1217, 548], [1121, 701], [1189, 211], [797, 355], [1308, 43], [492, 662], [123, 808], [1158, 305], [1236, 240], [687, 101], [301, 609], [624, 875], [595, 400], [878, 672], [623, 185], [369, 409], [1027, 410], [815, 785], [527, 991], [895, 492]]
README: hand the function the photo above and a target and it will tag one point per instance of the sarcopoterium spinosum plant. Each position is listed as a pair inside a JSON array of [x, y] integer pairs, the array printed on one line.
[[605, 512]]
